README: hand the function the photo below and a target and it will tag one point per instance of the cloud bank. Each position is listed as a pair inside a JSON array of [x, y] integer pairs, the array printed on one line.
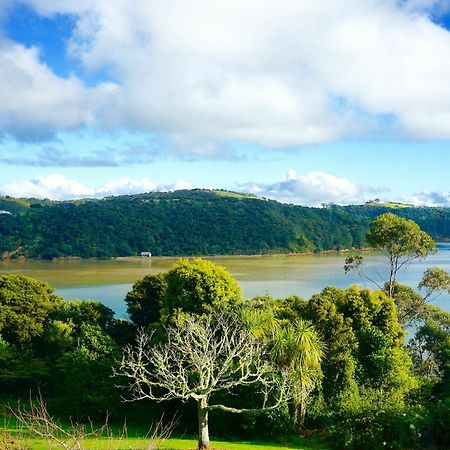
[[313, 189], [57, 187], [308, 189], [211, 71]]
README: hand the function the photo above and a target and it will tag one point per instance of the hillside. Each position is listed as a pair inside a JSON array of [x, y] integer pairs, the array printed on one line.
[[190, 222]]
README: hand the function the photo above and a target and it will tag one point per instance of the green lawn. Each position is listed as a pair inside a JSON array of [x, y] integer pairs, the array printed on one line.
[[12, 441]]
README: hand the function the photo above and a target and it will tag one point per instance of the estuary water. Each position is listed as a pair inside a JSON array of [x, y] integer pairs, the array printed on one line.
[[108, 281]]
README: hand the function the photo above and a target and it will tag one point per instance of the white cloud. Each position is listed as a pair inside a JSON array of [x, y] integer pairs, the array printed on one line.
[[278, 73], [429, 198], [57, 187], [35, 102], [314, 188]]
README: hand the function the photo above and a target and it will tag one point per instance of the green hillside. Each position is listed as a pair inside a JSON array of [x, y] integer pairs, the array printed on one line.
[[189, 222]]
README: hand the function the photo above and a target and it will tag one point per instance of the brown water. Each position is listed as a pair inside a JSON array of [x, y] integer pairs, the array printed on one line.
[[280, 276]]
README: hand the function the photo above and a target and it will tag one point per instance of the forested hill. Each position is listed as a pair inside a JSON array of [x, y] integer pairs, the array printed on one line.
[[190, 222]]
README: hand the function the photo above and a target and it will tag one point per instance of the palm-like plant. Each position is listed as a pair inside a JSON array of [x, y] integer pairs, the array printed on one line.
[[297, 348]]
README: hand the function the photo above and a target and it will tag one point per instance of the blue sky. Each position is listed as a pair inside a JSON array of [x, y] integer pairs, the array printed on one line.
[[304, 102]]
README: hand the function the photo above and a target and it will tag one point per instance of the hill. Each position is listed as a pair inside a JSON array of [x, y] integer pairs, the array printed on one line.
[[190, 222]]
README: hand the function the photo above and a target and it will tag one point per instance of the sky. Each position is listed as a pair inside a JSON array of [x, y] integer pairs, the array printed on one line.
[[302, 101]]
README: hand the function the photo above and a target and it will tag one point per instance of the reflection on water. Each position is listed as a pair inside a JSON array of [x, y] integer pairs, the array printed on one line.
[[280, 276]]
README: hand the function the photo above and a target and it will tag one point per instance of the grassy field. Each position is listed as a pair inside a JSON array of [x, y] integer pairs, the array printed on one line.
[[11, 442], [15, 438]]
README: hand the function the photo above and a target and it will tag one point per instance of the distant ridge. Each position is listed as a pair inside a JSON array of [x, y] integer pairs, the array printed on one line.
[[191, 222]]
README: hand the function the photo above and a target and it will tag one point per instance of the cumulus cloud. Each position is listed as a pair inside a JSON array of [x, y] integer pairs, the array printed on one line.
[[57, 187], [35, 102], [429, 198], [278, 74], [314, 188]]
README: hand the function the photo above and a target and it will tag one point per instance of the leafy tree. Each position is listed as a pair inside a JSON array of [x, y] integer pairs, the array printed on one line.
[[411, 306], [200, 287], [25, 305], [335, 330], [364, 341], [400, 239], [84, 385], [145, 299], [430, 350], [202, 357], [298, 349], [435, 281]]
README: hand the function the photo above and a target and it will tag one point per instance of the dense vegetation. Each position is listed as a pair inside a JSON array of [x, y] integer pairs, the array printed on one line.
[[196, 222], [337, 366]]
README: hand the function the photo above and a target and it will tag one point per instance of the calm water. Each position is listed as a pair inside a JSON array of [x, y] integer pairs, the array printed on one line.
[[279, 276]]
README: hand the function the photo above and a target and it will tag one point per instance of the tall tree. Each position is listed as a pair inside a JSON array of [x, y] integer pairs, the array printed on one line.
[[298, 349], [401, 240], [201, 357]]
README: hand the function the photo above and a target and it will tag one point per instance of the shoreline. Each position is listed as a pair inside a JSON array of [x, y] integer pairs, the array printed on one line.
[[210, 256], [214, 256]]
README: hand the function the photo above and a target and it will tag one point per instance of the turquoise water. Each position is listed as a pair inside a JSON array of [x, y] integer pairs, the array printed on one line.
[[280, 276]]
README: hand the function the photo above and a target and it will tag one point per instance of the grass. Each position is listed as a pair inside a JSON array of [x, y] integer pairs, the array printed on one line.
[[393, 205], [142, 444], [232, 194], [12, 438], [13, 442], [16, 435]]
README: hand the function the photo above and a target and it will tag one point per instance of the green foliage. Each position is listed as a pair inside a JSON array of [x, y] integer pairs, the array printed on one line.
[[196, 222], [298, 350], [363, 339], [25, 305], [145, 300], [340, 343], [200, 287], [373, 421], [430, 349], [84, 383], [439, 422], [402, 240], [435, 281], [399, 237], [410, 305]]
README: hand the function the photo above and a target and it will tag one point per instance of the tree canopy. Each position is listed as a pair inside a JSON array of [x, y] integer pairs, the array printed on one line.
[[25, 304], [200, 287], [145, 300], [401, 240]]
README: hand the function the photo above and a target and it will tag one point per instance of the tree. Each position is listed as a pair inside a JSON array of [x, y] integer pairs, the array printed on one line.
[[145, 300], [298, 349], [435, 281], [200, 287], [400, 239], [411, 306], [202, 357], [84, 385], [25, 305]]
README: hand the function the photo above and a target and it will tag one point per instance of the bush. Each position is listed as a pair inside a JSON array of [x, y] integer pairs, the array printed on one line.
[[375, 421], [439, 422]]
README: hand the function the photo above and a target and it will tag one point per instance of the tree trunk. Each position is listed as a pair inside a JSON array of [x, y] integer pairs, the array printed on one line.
[[203, 431]]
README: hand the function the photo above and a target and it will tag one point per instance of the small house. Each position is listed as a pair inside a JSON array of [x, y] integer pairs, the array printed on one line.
[[146, 254]]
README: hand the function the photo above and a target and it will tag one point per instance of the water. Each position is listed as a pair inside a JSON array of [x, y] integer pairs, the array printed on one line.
[[280, 276]]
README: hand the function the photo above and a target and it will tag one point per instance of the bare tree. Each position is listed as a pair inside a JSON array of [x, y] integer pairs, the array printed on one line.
[[200, 358]]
